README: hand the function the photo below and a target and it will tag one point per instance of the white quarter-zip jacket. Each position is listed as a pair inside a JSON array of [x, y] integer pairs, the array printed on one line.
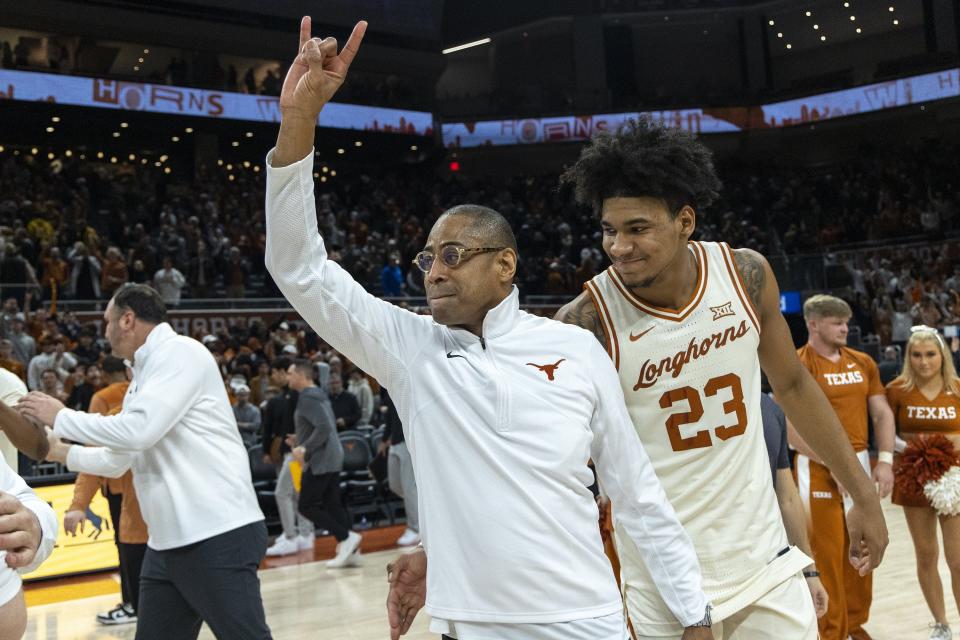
[[500, 430], [178, 434]]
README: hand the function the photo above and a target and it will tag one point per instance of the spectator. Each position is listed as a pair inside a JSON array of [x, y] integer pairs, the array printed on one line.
[[901, 322], [169, 283], [260, 383], [52, 357], [84, 273], [87, 350], [346, 409], [80, 395], [400, 470], [50, 384], [201, 272], [114, 272], [247, 415], [56, 273], [889, 366], [24, 346], [139, 273], [7, 313], [237, 272], [321, 454], [359, 387], [278, 424], [391, 278], [16, 275]]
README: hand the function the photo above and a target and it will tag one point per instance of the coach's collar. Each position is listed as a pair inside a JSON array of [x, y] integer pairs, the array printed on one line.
[[157, 336]]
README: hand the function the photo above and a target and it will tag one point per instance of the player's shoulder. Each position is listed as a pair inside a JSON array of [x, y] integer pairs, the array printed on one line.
[[569, 327], [745, 257], [582, 313]]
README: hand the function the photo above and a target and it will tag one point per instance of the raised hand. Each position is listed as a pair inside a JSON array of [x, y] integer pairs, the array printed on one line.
[[317, 71]]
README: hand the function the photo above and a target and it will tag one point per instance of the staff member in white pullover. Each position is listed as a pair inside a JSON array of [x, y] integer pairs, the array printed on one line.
[[501, 410], [190, 470]]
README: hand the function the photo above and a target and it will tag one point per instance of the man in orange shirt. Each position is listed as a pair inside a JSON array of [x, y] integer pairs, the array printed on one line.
[[130, 531], [851, 381]]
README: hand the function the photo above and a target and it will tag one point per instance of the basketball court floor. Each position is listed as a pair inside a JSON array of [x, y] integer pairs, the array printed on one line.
[[306, 600]]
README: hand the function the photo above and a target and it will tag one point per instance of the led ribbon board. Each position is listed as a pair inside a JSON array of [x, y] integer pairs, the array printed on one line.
[[827, 106], [157, 98]]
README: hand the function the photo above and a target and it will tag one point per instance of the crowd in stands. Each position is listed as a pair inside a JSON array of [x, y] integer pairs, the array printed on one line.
[[73, 228]]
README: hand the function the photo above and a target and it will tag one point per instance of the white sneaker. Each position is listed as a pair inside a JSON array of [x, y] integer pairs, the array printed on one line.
[[409, 538], [121, 614], [283, 546], [353, 560], [305, 543], [345, 549], [940, 632]]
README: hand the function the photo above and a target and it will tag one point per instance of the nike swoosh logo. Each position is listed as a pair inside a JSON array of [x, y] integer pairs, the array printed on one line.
[[634, 338], [451, 354], [851, 366]]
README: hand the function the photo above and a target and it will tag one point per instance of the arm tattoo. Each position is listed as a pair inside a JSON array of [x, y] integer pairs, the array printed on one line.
[[581, 312], [750, 266]]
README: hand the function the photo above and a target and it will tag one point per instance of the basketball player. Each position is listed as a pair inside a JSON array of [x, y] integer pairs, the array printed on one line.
[[851, 381], [685, 324], [501, 410], [28, 524], [925, 399]]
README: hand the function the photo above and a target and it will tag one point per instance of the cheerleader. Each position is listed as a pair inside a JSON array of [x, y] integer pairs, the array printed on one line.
[[925, 399]]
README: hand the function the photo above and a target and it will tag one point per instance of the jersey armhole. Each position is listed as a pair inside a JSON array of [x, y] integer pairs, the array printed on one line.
[[739, 285], [612, 347]]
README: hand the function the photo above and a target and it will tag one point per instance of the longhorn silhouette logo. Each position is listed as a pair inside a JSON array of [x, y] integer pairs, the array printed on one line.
[[548, 369]]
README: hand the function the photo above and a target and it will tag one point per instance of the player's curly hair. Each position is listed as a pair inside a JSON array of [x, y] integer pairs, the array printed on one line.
[[643, 159]]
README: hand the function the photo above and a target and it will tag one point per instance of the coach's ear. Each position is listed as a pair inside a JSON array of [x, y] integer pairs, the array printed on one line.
[[507, 265]]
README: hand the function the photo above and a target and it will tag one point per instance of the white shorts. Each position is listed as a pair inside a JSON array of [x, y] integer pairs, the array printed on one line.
[[785, 613]]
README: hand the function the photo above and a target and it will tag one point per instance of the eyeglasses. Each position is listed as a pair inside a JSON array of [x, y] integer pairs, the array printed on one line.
[[451, 256]]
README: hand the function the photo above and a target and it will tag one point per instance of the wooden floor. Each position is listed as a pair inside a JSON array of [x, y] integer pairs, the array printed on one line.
[[309, 601]]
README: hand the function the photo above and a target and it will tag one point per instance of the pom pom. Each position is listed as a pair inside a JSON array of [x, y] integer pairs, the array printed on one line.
[[926, 459], [944, 494]]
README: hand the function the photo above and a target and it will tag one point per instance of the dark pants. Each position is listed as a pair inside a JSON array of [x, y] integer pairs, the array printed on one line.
[[320, 503], [213, 581], [130, 555], [131, 563], [115, 502]]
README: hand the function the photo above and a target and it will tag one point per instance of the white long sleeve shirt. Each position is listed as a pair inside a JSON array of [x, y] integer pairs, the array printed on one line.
[[500, 441], [178, 434]]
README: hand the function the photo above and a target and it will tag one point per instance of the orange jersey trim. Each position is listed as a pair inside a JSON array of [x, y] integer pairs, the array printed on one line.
[[674, 315], [613, 346], [738, 285]]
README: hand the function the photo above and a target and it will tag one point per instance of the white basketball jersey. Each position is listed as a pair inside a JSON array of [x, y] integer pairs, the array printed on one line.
[[691, 380]]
